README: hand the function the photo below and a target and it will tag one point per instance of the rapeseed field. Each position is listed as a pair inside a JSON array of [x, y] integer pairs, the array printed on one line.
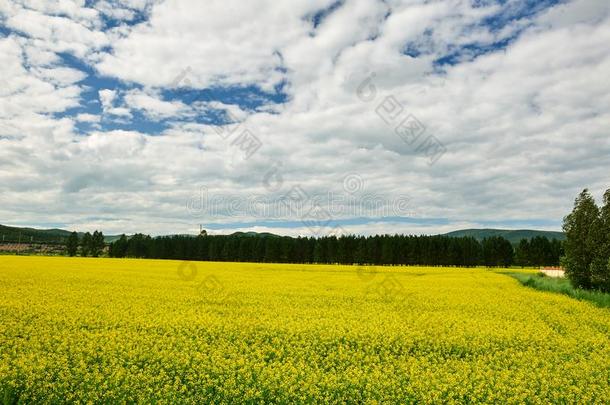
[[116, 331]]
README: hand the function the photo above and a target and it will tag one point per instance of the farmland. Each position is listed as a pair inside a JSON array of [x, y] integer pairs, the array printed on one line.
[[121, 330]]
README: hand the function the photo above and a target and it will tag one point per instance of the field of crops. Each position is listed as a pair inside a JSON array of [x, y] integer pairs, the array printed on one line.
[[145, 331]]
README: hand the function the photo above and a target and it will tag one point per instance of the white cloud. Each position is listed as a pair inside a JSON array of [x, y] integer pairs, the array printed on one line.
[[123, 9], [61, 76], [38, 90], [224, 44], [91, 118], [107, 99], [153, 105], [56, 33], [525, 127]]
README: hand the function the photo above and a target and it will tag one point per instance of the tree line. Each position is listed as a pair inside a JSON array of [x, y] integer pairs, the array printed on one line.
[[436, 250], [90, 245], [587, 246], [585, 254], [538, 251]]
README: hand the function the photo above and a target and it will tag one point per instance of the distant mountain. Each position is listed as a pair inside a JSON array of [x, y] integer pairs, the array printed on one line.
[[253, 234], [513, 236], [16, 234], [107, 238], [53, 236]]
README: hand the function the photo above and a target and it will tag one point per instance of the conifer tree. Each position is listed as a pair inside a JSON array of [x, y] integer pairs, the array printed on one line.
[[72, 244], [582, 231]]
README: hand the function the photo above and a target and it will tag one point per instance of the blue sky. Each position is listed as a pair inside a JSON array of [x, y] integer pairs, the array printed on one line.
[[116, 114]]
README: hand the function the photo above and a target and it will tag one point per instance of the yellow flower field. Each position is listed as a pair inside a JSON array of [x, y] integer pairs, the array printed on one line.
[[106, 330]]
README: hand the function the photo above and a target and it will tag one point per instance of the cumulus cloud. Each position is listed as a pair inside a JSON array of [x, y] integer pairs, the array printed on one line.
[[520, 105], [153, 105], [84, 117], [107, 99], [56, 33], [223, 43]]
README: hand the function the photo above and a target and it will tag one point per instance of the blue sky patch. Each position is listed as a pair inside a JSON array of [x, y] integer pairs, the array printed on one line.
[[511, 12], [249, 98], [319, 16], [472, 51], [514, 11]]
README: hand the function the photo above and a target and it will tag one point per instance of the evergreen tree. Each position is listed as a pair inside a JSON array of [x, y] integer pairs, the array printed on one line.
[[72, 244], [97, 244], [600, 267], [386, 249], [497, 252], [119, 247], [85, 249], [319, 251], [522, 253], [272, 249], [582, 230], [556, 252], [360, 253]]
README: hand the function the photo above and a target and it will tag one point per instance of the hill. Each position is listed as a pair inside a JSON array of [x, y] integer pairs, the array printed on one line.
[[254, 234], [15, 234], [51, 236], [513, 236]]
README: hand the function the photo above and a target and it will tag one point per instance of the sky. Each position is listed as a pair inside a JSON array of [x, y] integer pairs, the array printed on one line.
[[302, 117]]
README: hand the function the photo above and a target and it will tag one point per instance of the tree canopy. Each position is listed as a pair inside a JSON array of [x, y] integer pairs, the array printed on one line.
[[350, 249], [587, 245]]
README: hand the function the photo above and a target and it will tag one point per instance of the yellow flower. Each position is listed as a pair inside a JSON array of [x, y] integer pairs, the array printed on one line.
[[120, 330]]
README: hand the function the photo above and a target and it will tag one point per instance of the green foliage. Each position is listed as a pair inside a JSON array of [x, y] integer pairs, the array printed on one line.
[[50, 236], [587, 247], [600, 271], [119, 247], [562, 286], [47, 236], [539, 251], [380, 249], [522, 254], [85, 249], [139, 246], [72, 244], [97, 244], [92, 245], [497, 252]]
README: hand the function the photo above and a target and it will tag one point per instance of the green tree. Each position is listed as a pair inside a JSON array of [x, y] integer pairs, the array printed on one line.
[[272, 249], [85, 249], [360, 253], [72, 244], [522, 253], [141, 246], [557, 251], [97, 244], [497, 252], [387, 250], [600, 267], [319, 251], [582, 230], [119, 247]]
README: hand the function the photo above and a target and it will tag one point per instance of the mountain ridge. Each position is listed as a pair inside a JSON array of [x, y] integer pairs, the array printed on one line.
[[50, 236], [512, 235]]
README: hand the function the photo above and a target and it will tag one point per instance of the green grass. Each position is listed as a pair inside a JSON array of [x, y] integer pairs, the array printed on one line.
[[562, 286]]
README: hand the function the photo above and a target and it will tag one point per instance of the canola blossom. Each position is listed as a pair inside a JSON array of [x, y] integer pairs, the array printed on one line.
[[118, 330]]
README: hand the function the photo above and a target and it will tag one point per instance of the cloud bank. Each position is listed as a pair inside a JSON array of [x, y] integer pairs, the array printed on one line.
[[158, 116]]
